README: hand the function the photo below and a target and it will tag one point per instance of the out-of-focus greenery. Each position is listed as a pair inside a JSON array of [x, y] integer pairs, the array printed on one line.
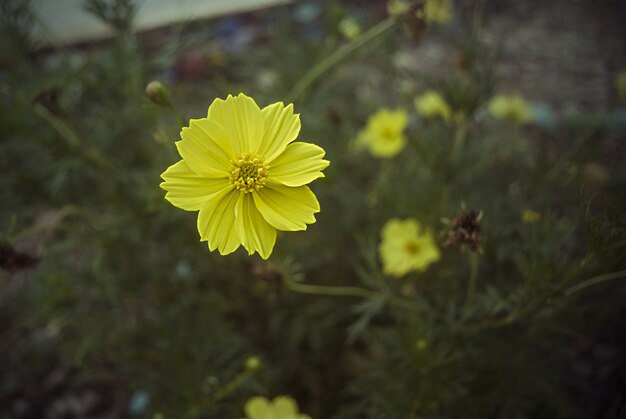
[[126, 300]]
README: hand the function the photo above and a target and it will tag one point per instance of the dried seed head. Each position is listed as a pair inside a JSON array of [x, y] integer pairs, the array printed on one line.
[[465, 230]]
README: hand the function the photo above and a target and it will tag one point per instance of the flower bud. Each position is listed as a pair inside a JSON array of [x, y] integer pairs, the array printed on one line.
[[421, 345], [158, 93], [253, 363]]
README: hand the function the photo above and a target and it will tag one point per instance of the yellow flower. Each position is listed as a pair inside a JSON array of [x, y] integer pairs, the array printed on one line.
[[282, 407], [349, 28], [244, 174], [530, 216], [438, 11], [398, 7], [432, 105], [511, 108], [406, 247], [383, 135]]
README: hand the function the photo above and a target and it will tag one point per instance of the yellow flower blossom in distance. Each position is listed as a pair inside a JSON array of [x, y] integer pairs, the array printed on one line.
[[406, 246], [511, 108], [243, 172], [438, 11], [432, 105], [383, 135], [398, 7], [530, 216], [282, 407]]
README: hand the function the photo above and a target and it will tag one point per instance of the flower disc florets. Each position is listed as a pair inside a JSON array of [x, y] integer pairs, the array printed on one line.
[[248, 172]]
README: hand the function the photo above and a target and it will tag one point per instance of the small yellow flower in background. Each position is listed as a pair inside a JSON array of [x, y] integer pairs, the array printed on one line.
[[383, 135], [243, 172], [437, 11], [432, 105], [282, 407], [621, 85], [406, 247], [253, 363], [398, 7], [421, 345], [511, 108], [530, 216], [349, 28]]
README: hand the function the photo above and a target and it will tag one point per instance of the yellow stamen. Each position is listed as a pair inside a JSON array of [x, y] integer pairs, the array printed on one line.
[[248, 172]]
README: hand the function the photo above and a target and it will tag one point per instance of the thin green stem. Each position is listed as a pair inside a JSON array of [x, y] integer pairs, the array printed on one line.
[[225, 391], [471, 283], [322, 66], [595, 280], [347, 292], [71, 138], [179, 116], [459, 140]]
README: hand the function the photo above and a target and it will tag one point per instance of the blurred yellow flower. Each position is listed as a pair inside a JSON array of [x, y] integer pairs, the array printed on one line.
[[282, 407], [511, 108], [244, 174], [383, 135], [438, 11], [349, 28], [621, 85], [406, 247], [432, 105], [398, 7], [530, 216]]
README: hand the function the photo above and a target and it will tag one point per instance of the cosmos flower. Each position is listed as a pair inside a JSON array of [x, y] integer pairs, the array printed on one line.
[[243, 172], [406, 246], [512, 108], [282, 407], [398, 7], [432, 105], [383, 135], [437, 11], [529, 216]]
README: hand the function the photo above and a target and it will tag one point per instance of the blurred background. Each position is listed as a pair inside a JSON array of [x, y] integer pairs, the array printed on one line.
[[110, 307]]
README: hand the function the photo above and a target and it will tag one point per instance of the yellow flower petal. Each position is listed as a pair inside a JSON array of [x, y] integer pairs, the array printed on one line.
[[226, 174], [242, 119], [406, 247], [216, 221], [299, 164], [281, 127], [432, 105], [513, 108], [254, 232], [384, 132], [258, 408], [204, 147], [186, 189], [285, 407], [285, 208]]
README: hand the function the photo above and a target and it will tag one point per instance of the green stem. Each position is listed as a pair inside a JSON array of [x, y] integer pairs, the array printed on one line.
[[71, 138], [179, 116], [347, 292], [225, 391], [595, 280], [459, 140], [471, 283], [322, 66]]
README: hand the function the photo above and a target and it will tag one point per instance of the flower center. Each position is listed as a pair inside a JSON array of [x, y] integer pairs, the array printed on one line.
[[248, 172], [388, 133], [411, 247]]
